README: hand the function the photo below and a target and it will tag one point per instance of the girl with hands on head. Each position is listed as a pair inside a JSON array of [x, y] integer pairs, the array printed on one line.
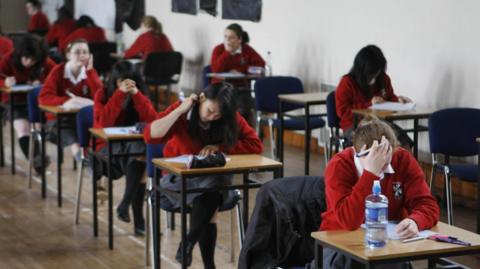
[[349, 176]]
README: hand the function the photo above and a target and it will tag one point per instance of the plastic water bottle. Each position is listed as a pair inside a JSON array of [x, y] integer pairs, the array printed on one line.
[[376, 217], [268, 64]]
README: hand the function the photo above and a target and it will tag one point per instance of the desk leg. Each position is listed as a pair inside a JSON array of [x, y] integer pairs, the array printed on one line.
[[110, 197], [431, 263], [2, 150], [245, 201], [59, 160], [478, 192], [184, 223], [280, 135], [12, 134], [415, 138], [94, 188], [307, 139], [156, 220], [43, 152]]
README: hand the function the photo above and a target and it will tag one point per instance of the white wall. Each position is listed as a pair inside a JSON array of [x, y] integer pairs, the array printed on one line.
[[431, 45]]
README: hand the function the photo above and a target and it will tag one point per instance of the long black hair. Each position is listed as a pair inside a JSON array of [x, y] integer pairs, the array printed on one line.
[[224, 130], [243, 35], [369, 62], [120, 71], [34, 47], [85, 21]]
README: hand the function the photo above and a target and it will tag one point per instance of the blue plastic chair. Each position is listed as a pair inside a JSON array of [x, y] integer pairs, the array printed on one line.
[[233, 200], [266, 101], [33, 118], [333, 122], [205, 79], [84, 122], [453, 132]]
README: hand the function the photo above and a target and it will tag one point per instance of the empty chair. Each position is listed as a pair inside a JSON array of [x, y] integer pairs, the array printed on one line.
[[333, 122], [453, 132], [102, 61], [162, 69]]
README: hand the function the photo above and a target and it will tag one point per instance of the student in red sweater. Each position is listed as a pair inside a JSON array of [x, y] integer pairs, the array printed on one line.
[[152, 40], [87, 30], [6, 44], [39, 21], [367, 83], [27, 64], [123, 104], [235, 55], [349, 180], [75, 78], [61, 28], [203, 123]]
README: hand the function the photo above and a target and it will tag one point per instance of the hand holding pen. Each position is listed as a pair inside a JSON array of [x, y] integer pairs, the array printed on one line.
[[377, 157]]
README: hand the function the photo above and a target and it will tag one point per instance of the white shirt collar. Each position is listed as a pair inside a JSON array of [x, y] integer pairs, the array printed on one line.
[[358, 165], [69, 75], [238, 51]]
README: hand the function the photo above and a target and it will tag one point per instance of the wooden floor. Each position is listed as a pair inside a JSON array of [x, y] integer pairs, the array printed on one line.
[[35, 233]]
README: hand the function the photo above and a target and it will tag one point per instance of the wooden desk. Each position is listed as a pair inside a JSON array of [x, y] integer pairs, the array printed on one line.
[[110, 140], [352, 245], [306, 100], [11, 104], [415, 115], [226, 76], [60, 114], [238, 164]]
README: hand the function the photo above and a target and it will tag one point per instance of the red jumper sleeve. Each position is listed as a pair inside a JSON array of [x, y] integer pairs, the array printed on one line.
[[106, 114], [161, 140], [49, 95]]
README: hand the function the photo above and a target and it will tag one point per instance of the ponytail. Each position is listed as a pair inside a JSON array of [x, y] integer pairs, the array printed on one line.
[[239, 32]]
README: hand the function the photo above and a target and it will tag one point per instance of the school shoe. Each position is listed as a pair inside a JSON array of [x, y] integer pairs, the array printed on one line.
[[37, 163], [178, 256], [123, 215], [139, 230]]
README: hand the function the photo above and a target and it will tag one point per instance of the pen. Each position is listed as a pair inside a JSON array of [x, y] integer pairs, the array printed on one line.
[[413, 239]]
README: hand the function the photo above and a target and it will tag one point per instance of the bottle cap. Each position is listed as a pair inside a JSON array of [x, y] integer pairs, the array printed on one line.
[[376, 189]]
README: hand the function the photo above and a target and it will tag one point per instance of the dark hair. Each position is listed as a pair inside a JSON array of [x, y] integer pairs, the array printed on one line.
[[243, 35], [31, 46], [224, 130], [120, 71], [368, 62], [35, 3], [64, 13], [85, 21]]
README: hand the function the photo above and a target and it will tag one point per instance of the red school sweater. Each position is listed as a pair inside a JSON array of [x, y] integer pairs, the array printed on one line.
[[348, 96], [60, 30], [6, 46], [110, 113], [407, 192], [147, 43], [8, 68], [179, 142], [54, 91], [223, 61], [38, 21], [91, 34]]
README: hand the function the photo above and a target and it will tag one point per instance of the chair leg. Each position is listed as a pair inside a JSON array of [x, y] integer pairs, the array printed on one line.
[[448, 190], [171, 220], [232, 227], [79, 191], [30, 156], [272, 140], [241, 229], [257, 126], [325, 145], [433, 174], [148, 229]]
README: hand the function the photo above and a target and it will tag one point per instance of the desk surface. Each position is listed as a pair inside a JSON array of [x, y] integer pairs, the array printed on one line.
[[353, 243], [234, 76], [57, 110], [100, 133], [417, 113], [10, 91], [237, 163], [305, 98]]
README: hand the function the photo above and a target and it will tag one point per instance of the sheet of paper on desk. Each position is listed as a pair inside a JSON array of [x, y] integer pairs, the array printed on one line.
[[120, 130], [393, 235], [184, 159], [228, 75], [23, 87], [393, 106]]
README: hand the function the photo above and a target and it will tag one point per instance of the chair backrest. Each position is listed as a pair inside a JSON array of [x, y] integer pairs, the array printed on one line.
[[84, 122], [206, 80], [153, 151], [32, 101], [453, 131], [102, 61], [332, 116], [162, 68], [267, 90]]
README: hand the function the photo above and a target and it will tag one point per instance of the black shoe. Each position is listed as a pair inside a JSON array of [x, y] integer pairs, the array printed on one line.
[[139, 231], [178, 256], [123, 215], [37, 163]]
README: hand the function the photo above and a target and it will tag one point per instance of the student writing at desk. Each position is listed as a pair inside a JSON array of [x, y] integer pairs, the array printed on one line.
[[366, 84], [349, 180], [203, 123], [27, 64], [71, 84], [151, 40], [123, 104], [38, 20], [235, 55], [86, 29]]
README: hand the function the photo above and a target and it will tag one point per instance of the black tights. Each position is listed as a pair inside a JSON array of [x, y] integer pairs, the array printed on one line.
[[134, 191]]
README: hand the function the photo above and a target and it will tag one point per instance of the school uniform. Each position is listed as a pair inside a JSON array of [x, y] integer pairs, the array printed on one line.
[[91, 34], [347, 185], [22, 76], [38, 22], [6, 46], [147, 43], [54, 93], [60, 30]]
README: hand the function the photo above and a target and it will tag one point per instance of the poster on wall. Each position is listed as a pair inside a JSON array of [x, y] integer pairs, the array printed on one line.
[[242, 9], [209, 6], [185, 6]]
